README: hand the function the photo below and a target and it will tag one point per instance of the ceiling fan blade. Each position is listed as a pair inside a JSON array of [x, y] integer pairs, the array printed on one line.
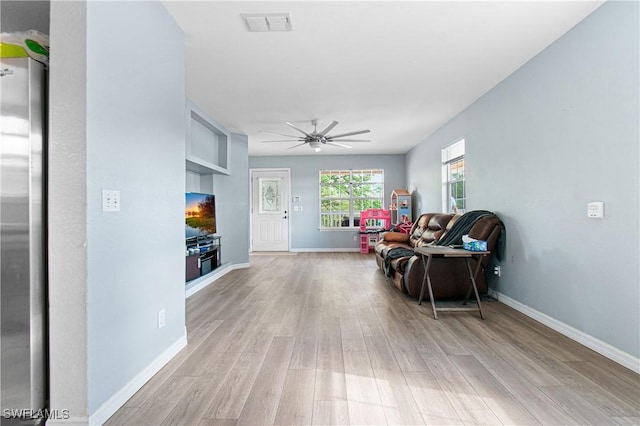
[[328, 128], [359, 132], [282, 140], [295, 146], [349, 140], [301, 131], [277, 134], [339, 144]]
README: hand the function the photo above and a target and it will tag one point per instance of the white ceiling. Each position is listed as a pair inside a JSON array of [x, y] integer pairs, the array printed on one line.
[[400, 69]]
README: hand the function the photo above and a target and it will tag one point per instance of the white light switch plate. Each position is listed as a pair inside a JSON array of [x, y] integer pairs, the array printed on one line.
[[595, 209], [161, 318], [110, 200]]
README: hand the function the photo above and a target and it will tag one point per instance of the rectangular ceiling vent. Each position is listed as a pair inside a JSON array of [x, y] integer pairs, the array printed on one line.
[[265, 22]]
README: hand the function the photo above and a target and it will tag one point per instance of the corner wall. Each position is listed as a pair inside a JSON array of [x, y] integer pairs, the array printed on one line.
[[558, 133], [116, 122], [67, 221], [232, 198], [135, 144]]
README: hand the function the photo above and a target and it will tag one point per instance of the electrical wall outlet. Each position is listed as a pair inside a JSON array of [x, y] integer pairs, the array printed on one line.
[[161, 318], [110, 200], [497, 270]]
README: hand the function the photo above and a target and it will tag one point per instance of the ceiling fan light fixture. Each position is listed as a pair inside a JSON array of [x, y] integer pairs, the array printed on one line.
[[316, 139], [315, 145]]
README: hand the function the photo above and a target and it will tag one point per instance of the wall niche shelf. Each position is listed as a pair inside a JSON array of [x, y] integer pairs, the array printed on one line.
[[204, 168], [207, 145]]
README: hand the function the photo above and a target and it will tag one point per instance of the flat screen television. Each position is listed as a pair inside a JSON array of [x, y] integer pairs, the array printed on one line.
[[199, 214]]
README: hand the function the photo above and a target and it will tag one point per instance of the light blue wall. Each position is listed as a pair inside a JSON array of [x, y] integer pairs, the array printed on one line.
[[560, 132], [304, 183], [232, 203], [135, 144]]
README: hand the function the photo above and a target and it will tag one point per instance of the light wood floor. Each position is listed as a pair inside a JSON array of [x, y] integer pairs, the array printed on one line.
[[323, 339]]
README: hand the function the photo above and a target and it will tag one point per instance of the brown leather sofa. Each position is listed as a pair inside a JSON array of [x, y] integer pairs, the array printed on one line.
[[449, 276]]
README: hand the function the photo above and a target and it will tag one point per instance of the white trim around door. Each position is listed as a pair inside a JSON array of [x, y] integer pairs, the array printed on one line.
[[276, 216]]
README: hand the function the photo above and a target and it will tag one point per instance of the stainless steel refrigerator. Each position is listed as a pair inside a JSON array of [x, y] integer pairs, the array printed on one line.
[[22, 238]]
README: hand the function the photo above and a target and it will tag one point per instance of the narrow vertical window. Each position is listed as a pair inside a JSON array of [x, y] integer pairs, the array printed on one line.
[[454, 196]]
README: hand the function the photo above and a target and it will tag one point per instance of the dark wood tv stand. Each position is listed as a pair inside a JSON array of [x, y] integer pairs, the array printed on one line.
[[203, 255]]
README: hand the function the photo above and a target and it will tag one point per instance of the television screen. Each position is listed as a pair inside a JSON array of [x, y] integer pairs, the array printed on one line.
[[199, 214]]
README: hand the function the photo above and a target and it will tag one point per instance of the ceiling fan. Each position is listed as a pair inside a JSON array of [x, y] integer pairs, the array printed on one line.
[[317, 139]]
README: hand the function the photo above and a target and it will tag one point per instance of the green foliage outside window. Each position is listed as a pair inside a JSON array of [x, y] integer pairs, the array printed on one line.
[[344, 193], [456, 184]]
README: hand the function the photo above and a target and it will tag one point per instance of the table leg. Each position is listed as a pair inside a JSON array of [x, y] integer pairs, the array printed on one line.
[[425, 266], [473, 275], [433, 302], [427, 280], [466, 298]]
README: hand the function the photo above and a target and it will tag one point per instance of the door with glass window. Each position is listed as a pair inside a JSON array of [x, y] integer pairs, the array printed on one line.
[[270, 210]]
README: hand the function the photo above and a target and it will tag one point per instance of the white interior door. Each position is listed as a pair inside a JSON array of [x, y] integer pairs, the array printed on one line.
[[270, 210]]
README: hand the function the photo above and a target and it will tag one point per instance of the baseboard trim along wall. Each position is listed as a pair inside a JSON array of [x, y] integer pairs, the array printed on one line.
[[121, 397], [605, 349], [326, 250], [71, 421], [199, 283], [114, 403]]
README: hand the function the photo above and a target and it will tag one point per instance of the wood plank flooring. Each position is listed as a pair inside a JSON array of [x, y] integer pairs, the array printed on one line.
[[323, 339]]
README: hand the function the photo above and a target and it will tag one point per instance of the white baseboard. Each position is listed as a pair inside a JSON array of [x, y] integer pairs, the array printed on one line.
[[71, 421], [117, 400], [603, 348], [112, 405], [200, 283], [326, 250]]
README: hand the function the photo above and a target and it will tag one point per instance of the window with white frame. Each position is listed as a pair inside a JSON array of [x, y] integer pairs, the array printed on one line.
[[345, 193], [454, 196]]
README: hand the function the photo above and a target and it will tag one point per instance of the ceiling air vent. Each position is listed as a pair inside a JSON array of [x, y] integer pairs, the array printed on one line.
[[262, 22]]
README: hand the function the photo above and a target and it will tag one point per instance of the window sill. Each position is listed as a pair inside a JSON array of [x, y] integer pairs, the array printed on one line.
[[341, 229]]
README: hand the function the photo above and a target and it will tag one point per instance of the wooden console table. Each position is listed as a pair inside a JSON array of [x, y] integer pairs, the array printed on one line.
[[428, 253]]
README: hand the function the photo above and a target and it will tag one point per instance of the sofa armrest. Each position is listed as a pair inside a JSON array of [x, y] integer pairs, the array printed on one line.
[[412, 278], [396, 237]]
